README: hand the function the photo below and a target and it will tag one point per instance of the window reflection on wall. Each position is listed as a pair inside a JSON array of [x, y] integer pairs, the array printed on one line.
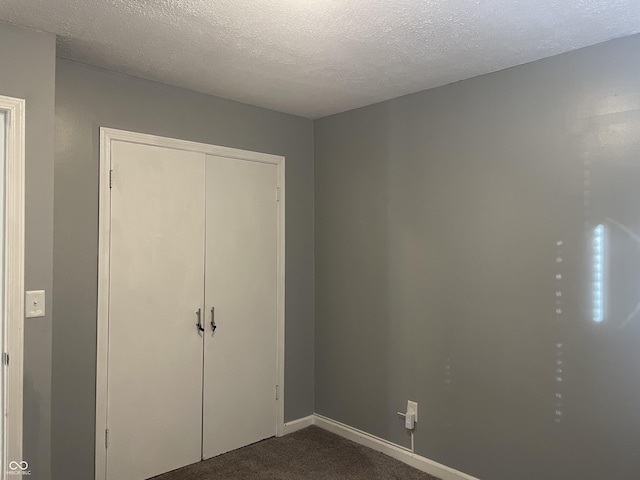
[[610, 148], [598, 273]]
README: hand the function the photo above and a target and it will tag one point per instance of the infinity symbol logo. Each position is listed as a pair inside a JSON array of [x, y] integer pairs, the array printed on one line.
[[13, 465]]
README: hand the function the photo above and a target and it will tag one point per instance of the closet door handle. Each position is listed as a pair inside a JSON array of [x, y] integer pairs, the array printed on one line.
[[199, 323], [213, 319]]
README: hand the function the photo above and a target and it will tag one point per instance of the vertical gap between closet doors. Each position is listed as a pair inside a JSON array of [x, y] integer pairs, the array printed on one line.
[[204, 303]]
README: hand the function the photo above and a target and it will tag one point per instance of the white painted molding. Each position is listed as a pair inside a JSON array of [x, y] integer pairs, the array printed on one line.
[[280, 305], [107, 136], [177, 144], [391, 449], [378, 444], [14, 274], [104, 233], [298, 424]]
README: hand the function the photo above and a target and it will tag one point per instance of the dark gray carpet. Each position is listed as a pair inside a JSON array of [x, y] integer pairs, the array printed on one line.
[[309, 454]]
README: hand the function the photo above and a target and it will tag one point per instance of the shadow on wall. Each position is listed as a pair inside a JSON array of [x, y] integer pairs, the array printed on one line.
[[352, 280], [33, 406]]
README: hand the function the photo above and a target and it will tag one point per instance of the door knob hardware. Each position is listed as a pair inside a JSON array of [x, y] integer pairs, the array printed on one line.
[[213, 319], [199, 323]]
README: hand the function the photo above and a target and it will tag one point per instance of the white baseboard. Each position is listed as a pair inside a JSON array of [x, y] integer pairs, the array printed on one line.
[[298, 424], [375, 443]]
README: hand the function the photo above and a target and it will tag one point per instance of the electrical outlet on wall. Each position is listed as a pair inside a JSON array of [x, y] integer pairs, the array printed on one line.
[[412, 407]]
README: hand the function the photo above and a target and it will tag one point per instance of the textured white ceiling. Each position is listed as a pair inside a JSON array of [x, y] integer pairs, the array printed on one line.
[[318, 57]]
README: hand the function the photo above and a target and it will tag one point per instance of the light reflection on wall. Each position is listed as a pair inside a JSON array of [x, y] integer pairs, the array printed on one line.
[[621, 233], [558, 405], [598, 274]]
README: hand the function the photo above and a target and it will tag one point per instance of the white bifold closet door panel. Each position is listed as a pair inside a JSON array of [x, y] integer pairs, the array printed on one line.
[[154, 406], [240, 287]]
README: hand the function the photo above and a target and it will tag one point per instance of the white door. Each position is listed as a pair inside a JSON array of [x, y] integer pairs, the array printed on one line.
[[154, 405], [240, 287]]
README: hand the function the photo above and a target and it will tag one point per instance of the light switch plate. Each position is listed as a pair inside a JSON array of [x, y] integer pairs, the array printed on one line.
[[34, 304]]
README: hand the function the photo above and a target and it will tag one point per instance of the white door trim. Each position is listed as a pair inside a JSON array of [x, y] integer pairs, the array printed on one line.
[[14, 276], [108, 135]]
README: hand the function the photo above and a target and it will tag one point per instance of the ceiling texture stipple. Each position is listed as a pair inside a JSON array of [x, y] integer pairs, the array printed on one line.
[[318, 57]]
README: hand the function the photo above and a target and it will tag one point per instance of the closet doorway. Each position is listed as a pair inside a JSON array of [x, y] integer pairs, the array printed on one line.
[[191, 303]]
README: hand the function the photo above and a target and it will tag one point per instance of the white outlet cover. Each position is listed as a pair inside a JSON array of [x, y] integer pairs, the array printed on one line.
[[412, 407], [34, 304]]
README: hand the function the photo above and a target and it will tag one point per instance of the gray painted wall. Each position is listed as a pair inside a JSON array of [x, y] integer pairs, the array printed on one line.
[[442, 220], [27, 70], [88, 98]]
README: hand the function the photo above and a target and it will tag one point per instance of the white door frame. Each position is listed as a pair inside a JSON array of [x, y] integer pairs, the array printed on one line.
[[13, 281], [108, 135]]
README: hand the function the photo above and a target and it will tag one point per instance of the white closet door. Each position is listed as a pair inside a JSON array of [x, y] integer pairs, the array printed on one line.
[[154, 414], [240, 356]]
